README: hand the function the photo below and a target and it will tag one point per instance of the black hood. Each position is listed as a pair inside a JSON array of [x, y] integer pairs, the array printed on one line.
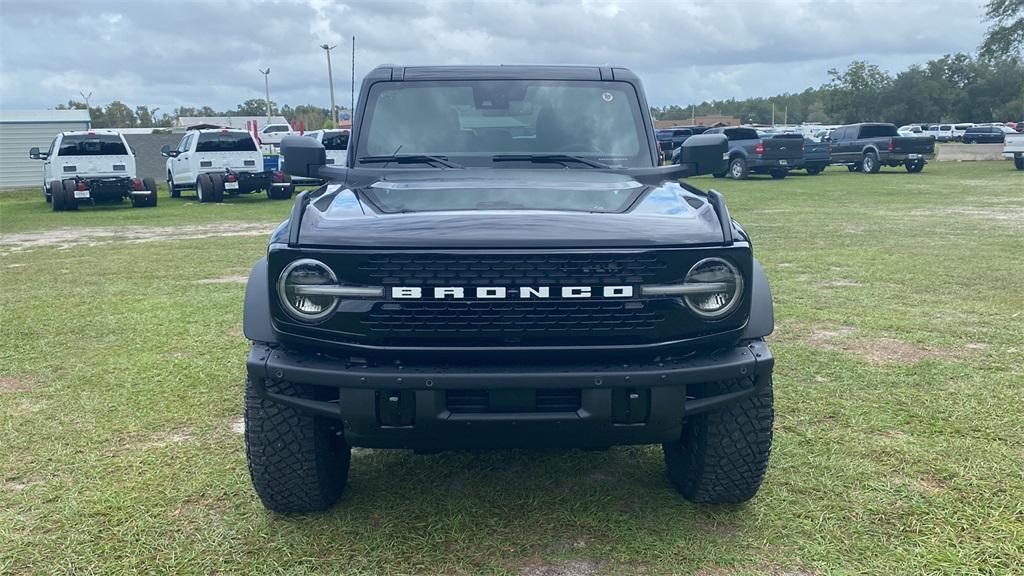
[[552, 208]]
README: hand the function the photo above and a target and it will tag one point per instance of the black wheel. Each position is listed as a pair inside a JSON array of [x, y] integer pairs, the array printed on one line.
[[281, 192], [298, 463], [778, 174], [853, 167], [870, 163], [204, 187], [719, 174], [57, 192], [54, 185], [722, 455], [216, 189], [171, 188], [145, 200], [738, 169], [914, 167], [815, 170], [69, 200], [1018, 162]]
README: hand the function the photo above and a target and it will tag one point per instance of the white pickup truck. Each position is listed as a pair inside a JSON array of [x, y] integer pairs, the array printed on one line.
[[92, 166], [1013, 146], [335, 144], [273, 133], [222, 161]]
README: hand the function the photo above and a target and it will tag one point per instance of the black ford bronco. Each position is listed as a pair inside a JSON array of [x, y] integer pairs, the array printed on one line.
[[501, 262]]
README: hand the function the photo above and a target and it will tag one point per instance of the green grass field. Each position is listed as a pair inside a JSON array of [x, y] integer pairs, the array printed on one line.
[[899, 444]]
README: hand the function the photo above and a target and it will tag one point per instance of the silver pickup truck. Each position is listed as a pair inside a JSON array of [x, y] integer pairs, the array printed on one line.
[[1014, 146]]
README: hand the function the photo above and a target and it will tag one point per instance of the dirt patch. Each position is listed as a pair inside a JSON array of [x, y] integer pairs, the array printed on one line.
[[763, 569], [1006, 214], [234, 279], [838, 283], [567, 568], [878, 350], [16, 383], [930, 484], [235, 332], [65, 238], [237, 425], [19, 485]]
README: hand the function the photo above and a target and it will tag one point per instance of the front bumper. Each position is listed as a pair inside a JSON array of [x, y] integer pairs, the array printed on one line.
[[398, 406]]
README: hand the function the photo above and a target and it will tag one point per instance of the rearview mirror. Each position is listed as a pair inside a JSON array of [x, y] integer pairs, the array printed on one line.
[[35, 154], [705, 154], [302, 157]]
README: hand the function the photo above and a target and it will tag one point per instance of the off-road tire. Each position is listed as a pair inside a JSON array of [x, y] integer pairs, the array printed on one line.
[[298, 463], [216, 189], [738, 168], [69, 202], [913, 167], [778, 174], [722, 455], [54, 185], [869, 164], [174, 191], [1018, 162]]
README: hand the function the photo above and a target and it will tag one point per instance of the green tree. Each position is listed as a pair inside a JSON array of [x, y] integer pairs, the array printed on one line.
[[256, 107], [856, 94], [1005, 35]]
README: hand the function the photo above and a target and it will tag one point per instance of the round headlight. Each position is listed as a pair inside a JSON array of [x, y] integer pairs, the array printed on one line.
[[723, 296], [299, 303]]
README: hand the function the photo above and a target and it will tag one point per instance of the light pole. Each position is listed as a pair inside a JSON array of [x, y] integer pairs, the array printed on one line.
[[266, 83], [330, 80], [86, 98]]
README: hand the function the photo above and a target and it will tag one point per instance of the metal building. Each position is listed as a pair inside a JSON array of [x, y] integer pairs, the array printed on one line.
[[23, 129]]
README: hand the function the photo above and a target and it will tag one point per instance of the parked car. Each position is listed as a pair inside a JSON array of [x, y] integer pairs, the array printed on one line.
[[869, 146], [910, 130], [941, 132], [959, 129], [335, 144], [91, 167], [817, 155], [222, 161], [472, 293], [1013, 146], [671, 138], [983, 134], [273, 133], [749, 153]]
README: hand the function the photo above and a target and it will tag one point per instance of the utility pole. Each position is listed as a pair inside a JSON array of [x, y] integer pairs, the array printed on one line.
[[785, 116], [693, 114], [266, 83], [330, 80], [773, 114], [86, 98]]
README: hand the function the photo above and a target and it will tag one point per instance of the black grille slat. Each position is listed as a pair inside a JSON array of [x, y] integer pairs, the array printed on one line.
[[534, 317], [511, 270], [546, 400], [568, 400]]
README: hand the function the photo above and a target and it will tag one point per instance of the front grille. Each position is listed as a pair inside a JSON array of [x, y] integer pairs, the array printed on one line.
[[493, 318], [545, 400], [511, 269]]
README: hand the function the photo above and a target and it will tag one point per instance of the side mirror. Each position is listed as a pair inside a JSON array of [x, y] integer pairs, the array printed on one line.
[[705, 154], [302, 157], [167, 152], [35, 154]]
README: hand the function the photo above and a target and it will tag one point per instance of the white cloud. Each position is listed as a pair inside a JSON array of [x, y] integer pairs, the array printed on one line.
[[171, 54]]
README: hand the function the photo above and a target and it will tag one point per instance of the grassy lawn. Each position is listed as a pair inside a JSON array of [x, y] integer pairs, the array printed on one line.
[[899, 444]]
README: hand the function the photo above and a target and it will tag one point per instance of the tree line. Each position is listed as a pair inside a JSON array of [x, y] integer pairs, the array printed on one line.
[[117, 114], [955, 88]]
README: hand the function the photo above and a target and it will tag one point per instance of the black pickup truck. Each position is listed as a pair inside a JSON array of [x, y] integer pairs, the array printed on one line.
[[749, 153], [869, 146], [501, 262]]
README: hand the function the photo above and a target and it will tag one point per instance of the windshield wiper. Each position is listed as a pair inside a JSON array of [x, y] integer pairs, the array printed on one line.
[[564, 159], [410, 159]]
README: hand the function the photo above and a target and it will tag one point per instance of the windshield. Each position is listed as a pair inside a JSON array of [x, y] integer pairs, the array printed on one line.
[[335, 140], [470, 121], [92, 145], [225, 142]]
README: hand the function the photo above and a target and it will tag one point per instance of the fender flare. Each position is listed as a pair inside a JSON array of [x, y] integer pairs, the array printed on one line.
[[256, 323], [762, 311], [869, 149]]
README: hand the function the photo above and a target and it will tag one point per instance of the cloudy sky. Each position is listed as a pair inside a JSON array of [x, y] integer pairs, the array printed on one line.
[[189, 53]]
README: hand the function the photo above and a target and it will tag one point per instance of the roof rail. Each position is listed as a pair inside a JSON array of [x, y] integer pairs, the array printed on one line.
[[717, 202]]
